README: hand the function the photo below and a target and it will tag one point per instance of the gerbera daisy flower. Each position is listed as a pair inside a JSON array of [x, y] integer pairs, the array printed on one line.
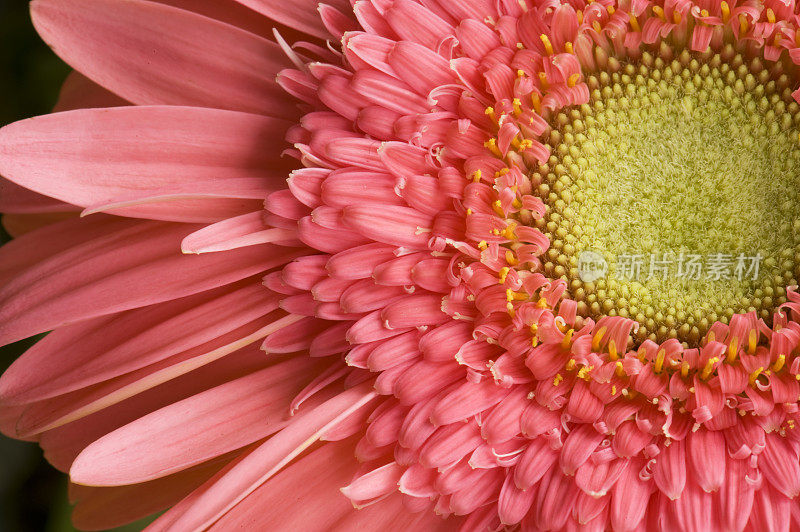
[[433, 216]]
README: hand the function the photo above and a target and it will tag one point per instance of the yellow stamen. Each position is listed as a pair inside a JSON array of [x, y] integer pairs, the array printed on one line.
[[492, 145], [579, 14], [641, 354], [660, 360], [511, 258], [710, 337], [598, 337], [726, 11], [752, 342], [558, 379], [596, 26], [704, 13], [510, 309], [542, 303], [543, 80], [634, 23], [503, 274], [509, 233], [610, 10], [583, 373], [477, 175], [548, 47], [742, 25], [659, 12], [566, 343], [676, 17], [778, 365], [525, 145], [520, 73], [573, 79], [685, 370], [619, 369], [517, 106], [482, 244], [490, 113], [754, 376], [612, 350], [613, 389], [571, 364], [515, 296], [770, 16], [498, 208], [569, 48], [733, 349], [469, 212], [537, 102], [709, 368]]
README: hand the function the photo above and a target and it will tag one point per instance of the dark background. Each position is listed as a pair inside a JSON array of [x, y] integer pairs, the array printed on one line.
[[33, 495]]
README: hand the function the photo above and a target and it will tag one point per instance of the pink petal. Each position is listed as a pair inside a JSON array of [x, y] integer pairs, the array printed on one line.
[[148, 54], [131, 265], [376, 483], [243, 477], [629, 499], [233, 233], [156, 151], [466, 401], [301, 15], [87, 353], [62, 445], [196, 429], [707, 455], [670, 469], [58, 411]]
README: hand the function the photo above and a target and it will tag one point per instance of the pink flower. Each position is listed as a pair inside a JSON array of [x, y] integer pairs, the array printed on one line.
[[432, 358]]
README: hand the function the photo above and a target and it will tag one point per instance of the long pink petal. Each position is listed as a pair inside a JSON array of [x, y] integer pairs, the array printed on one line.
[[150, 53], [87, 353], [96, 156], [63, 444], [52, 413], [196, 429], [235, 483], [131, 265]]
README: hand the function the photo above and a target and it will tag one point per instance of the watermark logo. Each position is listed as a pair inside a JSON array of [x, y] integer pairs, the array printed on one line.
[[712, 267], [591, 266]]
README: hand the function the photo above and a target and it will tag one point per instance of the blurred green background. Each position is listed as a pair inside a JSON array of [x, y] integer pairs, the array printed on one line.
[[33, 495]]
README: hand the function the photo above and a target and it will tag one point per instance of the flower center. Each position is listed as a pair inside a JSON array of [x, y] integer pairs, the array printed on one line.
[[672, 194]]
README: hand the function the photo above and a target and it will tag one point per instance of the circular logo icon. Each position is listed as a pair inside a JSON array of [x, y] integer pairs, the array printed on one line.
[[591, 266]]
